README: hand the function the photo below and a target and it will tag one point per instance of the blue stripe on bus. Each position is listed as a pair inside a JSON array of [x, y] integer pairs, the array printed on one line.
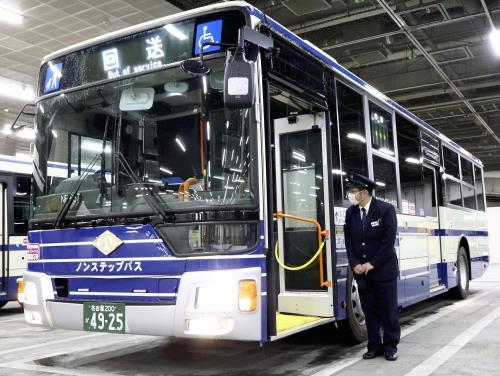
[[332, 63]]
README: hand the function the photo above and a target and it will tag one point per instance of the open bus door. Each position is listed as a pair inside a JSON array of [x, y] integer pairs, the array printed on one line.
[[302, 202]]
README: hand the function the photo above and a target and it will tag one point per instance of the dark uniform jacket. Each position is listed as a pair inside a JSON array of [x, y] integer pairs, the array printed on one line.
[[376, 243]]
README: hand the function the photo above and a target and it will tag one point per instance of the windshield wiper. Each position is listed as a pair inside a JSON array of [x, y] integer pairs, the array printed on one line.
[[69, 201], [152, 200]]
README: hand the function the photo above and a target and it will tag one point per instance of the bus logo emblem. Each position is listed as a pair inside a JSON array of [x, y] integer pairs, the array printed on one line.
[[107, 242]]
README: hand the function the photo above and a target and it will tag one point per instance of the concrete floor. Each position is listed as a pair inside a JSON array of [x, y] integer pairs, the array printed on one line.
[[440, 337]]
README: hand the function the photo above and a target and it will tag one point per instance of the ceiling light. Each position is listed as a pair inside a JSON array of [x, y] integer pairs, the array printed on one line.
[[412, 160], [11, 16], [181, 145], [5, 110], [380, 184], [16, 90], [166, 170], [175, 32], [355, 136], [26, 133], [495, 41]]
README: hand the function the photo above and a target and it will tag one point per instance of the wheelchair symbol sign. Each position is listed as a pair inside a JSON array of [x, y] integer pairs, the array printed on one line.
[[208, 32]]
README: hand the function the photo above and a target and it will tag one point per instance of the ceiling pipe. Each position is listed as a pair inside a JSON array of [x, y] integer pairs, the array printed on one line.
[[402, 25], [488, 14]]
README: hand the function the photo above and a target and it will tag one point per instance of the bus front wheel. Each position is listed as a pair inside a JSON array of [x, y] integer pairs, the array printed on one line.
[[462, 289], [355, 326]]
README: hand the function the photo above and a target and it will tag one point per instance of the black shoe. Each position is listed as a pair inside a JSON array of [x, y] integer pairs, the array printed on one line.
[[370, 354], [391, 356]]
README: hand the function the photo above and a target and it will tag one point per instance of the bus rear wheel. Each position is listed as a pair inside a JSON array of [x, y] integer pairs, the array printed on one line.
[[355, 325], [462, 289]]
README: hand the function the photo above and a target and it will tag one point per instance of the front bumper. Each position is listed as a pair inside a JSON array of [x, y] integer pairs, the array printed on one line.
[[182, 319]]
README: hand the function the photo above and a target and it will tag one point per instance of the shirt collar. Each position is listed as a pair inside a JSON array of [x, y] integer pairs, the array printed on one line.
[[367, 206]]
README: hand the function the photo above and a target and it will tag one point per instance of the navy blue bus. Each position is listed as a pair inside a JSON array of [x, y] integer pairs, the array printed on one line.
[[206, 156]]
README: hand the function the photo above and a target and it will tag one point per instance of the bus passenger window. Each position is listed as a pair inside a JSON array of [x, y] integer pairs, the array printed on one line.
[[352, 132], [451, 178], [413, 186], [479, 188], [468, 184], [381, 130], [22, 206], [385, 179]]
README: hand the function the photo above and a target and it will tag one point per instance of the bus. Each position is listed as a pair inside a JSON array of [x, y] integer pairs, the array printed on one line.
[[207, 155], [15, 190]]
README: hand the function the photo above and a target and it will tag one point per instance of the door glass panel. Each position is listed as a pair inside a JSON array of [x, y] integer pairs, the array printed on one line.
[[302, 178]]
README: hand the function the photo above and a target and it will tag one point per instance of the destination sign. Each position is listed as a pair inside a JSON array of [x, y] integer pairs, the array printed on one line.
[[141, 52]]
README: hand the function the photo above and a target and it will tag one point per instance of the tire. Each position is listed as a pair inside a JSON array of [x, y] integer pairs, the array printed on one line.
[[461, 291], [354, 327]]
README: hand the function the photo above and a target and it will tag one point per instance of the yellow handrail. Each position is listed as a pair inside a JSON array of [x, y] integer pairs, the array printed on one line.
[[321, 233]]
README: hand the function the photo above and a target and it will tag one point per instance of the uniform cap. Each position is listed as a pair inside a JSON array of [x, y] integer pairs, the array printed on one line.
[[360, 181]]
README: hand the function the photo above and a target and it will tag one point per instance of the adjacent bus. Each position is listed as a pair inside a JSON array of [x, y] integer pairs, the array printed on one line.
[[206, 197], [15, 190]]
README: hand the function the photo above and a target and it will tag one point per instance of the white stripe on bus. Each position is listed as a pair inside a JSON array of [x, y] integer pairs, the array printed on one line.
[[101, 293], [152, 258]]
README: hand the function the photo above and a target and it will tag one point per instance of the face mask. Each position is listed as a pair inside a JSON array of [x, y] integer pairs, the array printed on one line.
[[352, 198]]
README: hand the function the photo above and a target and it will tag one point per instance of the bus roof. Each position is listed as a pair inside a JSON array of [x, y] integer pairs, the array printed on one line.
[[285, 33]]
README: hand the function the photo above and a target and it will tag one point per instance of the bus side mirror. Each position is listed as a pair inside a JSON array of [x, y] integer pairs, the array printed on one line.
[[239, 73], [239, 80]]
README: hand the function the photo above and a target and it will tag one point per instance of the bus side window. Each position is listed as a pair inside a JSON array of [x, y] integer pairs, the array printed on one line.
[[22, 206], [479, 188], [451, 178], [416, 189], [352, 132], [468, 184]]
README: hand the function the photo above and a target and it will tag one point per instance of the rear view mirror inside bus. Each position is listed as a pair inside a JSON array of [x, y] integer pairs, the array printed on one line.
[[137, 99]]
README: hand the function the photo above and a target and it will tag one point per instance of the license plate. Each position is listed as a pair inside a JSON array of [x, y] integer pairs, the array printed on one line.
[[104, 317]]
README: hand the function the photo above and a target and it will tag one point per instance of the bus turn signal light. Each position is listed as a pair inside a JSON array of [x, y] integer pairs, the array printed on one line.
[[247, 296]]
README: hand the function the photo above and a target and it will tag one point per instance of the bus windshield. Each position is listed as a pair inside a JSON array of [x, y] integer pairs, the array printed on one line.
[[164, 134]]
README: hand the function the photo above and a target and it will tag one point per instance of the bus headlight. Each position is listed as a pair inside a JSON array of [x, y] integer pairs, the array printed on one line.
[[213, 298], [30, 293], [247, 295]]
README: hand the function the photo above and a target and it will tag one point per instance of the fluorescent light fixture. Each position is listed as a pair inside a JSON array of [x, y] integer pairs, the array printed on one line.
[[175, 32], [313, 187], [412, 160], [218, 177], [16, 90], [336, 171], [355, 136], [181, 145], [321, 177], [386, 151], [54, 133], [236, 170], [166, 170], [495, 41], [5, 110], [95, 147], [26, 133], [6, 129], [380, 184], [299, 156], [11, 16]]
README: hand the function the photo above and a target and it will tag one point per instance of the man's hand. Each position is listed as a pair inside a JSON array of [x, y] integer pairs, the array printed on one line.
[[360, 269], [367, 267]]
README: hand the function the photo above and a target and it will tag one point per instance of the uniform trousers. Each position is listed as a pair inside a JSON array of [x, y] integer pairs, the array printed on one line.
[[379, 300]]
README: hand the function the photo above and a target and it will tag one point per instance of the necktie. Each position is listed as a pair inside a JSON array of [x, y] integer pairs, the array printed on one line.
[[363, 217]]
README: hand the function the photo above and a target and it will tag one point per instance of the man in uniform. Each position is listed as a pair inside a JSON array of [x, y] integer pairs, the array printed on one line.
[[370, 234]]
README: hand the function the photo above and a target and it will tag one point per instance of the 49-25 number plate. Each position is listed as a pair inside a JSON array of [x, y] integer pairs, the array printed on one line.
[[104, 317]]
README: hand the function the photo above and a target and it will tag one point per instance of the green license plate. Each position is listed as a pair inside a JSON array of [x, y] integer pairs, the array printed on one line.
[[104, 317]]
